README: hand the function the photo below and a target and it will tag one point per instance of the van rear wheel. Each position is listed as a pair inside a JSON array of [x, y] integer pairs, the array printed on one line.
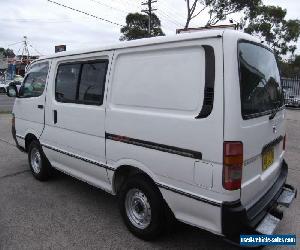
[[141, 207], [38, 162]]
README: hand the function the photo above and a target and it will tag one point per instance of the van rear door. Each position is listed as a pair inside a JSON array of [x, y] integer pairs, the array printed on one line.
[[259, 124]]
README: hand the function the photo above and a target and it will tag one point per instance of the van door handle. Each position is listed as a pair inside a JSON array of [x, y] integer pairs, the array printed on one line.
[[55, 116], [40, 106]]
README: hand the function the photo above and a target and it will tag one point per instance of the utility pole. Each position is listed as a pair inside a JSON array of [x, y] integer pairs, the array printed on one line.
[[25, 52], [149, 11]]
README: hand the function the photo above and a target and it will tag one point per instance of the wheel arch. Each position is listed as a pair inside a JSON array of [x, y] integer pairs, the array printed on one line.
[[28, 139], [127, 168]]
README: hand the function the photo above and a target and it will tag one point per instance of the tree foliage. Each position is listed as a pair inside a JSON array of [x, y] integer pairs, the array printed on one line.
[[137, 27], [269, 23], [218, 10], [296, 62], [7, 53], [290, 68]]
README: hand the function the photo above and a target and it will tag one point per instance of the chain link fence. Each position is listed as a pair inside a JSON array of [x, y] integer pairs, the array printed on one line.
[[291, 89]]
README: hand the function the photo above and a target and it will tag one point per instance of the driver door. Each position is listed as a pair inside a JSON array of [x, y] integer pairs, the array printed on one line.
[[29, 107]]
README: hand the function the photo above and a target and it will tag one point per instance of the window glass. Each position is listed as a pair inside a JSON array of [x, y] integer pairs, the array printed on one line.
[[66, 82], [259, 80], [81, 82], [92, 83], [35, 80]]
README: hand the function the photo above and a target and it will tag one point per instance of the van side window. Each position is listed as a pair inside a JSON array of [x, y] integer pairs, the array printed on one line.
[[66, 82], [92, 83], [35, 81], [81, 82]]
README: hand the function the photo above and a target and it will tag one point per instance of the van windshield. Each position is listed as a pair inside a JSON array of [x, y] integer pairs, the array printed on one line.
[[259, 80]]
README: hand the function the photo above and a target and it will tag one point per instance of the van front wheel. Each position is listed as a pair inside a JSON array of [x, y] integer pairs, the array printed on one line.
[[141, 207], [38, 162]]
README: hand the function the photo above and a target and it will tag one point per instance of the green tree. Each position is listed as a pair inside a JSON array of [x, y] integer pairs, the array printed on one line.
[[269, 23], [218, 10], [290, 68], [7, 52], [137, 27], [296, 61]]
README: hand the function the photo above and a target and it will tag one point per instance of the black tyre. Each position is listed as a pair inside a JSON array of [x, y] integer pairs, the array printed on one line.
[[38, 162], [142, 207]]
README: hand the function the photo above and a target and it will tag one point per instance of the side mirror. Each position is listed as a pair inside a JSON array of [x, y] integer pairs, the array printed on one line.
[[12, 91]]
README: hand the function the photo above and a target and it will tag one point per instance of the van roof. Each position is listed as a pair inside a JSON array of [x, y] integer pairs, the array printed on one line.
[[146, 42]]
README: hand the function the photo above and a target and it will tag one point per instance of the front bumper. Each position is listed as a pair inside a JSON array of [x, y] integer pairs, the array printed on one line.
[[237, 220]]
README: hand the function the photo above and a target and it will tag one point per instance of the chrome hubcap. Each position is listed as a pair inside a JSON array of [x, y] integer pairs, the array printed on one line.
[[36, 160], [138, 209]]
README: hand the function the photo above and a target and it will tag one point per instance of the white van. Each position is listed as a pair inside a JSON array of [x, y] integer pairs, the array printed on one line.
[[191, 125]]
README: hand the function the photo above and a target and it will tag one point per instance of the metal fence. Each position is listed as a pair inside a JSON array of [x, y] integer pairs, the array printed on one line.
[[291, 89]]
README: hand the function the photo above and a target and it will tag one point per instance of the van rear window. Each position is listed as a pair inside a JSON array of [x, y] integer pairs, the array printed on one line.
[[260, 86]]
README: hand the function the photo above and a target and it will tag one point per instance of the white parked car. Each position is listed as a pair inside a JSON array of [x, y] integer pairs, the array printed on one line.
[[17, 81], [191, 125], [293, 101]]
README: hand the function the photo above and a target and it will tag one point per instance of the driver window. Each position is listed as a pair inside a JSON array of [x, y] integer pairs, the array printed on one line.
[[35, 81]]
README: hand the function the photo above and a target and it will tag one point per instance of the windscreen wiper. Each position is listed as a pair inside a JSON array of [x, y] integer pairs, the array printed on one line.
[[275, 111]]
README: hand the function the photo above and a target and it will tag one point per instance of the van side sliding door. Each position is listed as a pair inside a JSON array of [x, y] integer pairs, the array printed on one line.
[[74, 136]]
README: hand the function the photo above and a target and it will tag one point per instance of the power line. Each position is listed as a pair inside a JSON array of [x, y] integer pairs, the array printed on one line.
[[172, 11], [167, 8], [86, 13], [35, 49], [167, 17], [14, 44], [173, 17], [25, 49], [108, 6], [164, 14], [137, 6], [163, 18], [133, 5]]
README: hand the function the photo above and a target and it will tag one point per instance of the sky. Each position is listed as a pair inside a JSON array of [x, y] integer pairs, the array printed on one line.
[[46, 24]]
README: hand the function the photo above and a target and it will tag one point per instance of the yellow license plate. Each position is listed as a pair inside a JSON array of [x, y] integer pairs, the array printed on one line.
[[267, 159]]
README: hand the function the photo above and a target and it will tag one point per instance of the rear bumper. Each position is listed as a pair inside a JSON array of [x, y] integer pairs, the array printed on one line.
[[236, 219]]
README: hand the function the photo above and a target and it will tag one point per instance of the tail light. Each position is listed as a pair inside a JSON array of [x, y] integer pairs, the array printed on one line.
[[284, 142], [232, 165]]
